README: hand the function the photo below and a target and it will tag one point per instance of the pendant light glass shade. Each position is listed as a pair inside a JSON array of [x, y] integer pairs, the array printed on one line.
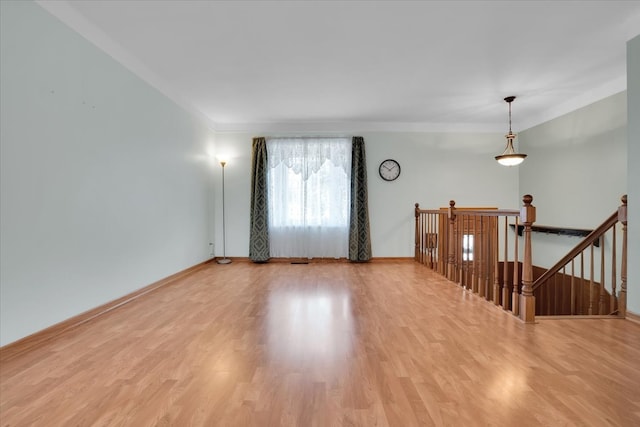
[[509, 157]]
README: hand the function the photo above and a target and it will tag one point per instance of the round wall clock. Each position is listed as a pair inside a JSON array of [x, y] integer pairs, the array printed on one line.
[[389, 170]]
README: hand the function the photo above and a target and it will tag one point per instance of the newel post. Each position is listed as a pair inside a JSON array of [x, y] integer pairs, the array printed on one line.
[[416, 255], [451, 256], [527, 300], [622, 297]]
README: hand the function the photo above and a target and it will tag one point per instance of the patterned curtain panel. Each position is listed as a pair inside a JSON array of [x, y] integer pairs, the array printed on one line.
[[359, 235], [259, 234]]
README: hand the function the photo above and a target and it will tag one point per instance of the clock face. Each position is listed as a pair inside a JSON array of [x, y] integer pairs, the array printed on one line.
[[389, 170]]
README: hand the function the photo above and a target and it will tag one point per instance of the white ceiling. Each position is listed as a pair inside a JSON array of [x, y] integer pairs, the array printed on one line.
[[367, 65]]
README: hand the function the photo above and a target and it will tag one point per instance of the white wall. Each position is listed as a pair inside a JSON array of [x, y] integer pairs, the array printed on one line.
[[105, 186], [576, 170], [633, 159], [436, 167]]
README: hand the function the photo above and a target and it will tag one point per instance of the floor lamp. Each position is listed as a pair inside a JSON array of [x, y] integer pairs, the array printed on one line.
[[224, 259]]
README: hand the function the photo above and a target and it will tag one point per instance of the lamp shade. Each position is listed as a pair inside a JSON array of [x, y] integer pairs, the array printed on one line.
[[509, 157]]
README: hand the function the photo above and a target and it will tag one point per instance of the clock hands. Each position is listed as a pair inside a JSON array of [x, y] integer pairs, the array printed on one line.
[[389, 170]]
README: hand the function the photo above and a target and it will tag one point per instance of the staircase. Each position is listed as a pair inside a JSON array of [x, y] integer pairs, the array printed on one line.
[[488, 251], [585, 281]]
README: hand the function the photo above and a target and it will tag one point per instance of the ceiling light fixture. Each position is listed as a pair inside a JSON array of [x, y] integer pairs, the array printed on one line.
[[509, 157]]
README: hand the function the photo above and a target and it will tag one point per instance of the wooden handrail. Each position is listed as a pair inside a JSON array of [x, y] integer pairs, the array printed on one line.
[[584, 244], [474, 212]]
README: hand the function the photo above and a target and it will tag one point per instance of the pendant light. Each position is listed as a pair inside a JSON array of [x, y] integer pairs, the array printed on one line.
[[509, 157]]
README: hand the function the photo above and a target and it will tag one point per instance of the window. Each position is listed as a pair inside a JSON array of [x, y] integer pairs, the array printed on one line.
[[467, 247], [308, 183]]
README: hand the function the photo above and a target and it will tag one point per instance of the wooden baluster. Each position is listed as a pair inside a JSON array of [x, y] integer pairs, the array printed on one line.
[[460, 254], [426, 219], [556, 294], [435, 230], [463, 252], [505, 266], [557, 285], [441, 242], [591, 267], [486, 256], [489, 256], [527, 303], [462, 223], [427, 235], [442, 262], [470, 252], [515, 294], [456, 257], [436, 240], [573, 287], [613, 301], [420, 237], [601, 288], [451, 252], [481, 255], [432, 237], [553, 297], [550, 291], [497, 292], [424, 227], [417, 239], [582, 283], [483, 248], [477, 256], [622, 298], [563, 293]]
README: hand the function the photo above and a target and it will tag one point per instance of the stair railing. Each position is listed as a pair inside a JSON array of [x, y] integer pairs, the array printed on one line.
[[465, 246], [584, 281]]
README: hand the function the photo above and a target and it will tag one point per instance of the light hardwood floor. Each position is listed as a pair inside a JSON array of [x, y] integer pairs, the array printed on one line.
[[381, 344]]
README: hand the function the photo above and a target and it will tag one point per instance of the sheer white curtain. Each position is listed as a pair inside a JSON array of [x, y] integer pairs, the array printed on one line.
[[309, 195]]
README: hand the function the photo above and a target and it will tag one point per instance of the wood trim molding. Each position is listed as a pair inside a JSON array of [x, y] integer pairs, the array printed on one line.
[[579, 317], [324, 260], [392, 259], [634, 317], [233, 259], [36, 339]]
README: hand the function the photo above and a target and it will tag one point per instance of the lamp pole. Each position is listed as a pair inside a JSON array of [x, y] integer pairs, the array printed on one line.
[[224, 259]]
